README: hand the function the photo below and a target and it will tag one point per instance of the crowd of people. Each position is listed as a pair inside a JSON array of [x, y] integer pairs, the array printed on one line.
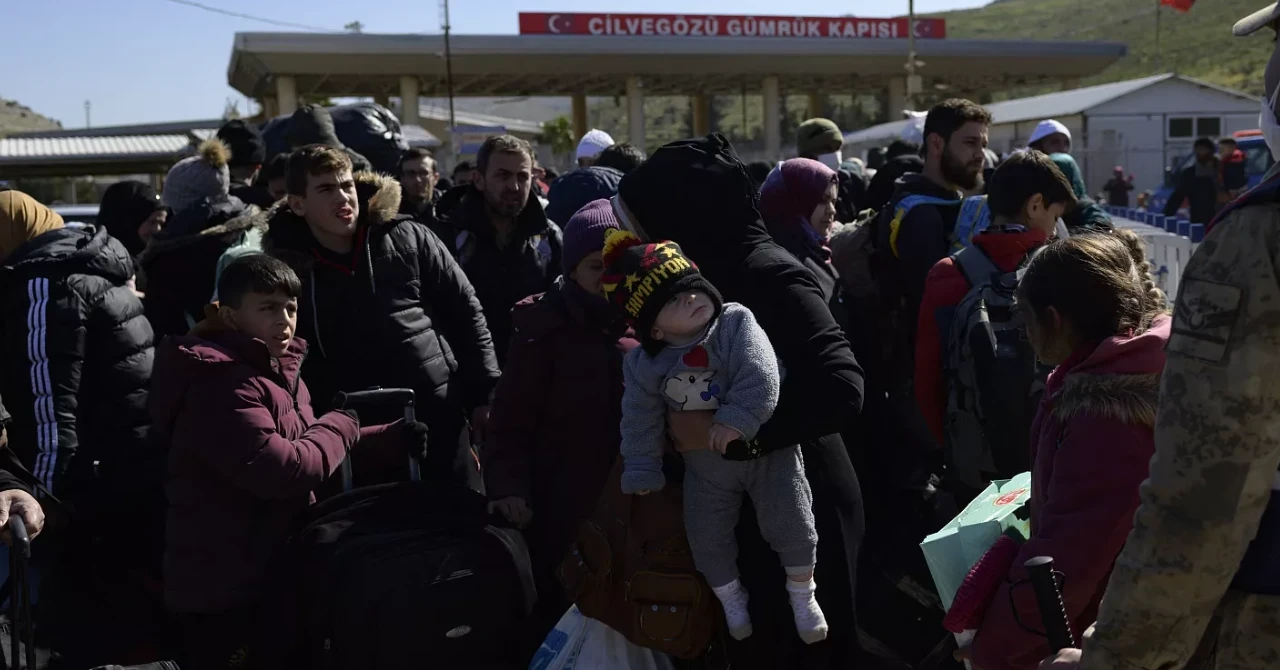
[[770, 343]]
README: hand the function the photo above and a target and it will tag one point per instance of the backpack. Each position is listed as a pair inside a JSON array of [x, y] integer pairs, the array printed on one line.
[[631, 568], [993, 379]]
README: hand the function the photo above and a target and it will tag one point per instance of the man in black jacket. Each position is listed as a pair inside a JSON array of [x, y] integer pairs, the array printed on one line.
[[75, 365], [248, 154], [501, 236], [1198, 185], [383, 303], [912, 237], [418, 177]]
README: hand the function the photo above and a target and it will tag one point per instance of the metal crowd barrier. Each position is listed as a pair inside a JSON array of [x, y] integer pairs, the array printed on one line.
[[1170, 242]]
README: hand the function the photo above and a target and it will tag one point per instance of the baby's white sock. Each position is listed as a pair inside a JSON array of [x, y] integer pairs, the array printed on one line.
[[734, 600], [810, 623]]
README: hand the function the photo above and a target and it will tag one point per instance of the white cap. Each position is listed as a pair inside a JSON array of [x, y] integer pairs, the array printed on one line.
[[593, 143], [1046, 128]]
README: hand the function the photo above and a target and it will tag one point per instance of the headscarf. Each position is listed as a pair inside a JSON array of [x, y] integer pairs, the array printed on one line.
[[787, 200], [23, 219], [1071, 171], [125, 205]]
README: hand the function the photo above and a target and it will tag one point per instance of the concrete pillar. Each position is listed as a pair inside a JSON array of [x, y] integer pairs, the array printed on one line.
[[772, 120], [701, 114], [897, 97], [817, 105], [579, 115], [635, 112], [409, 89], [287, 94], [270, 109]]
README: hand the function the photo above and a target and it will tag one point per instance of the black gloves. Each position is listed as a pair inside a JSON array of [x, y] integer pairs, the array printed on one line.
[[414, 437]]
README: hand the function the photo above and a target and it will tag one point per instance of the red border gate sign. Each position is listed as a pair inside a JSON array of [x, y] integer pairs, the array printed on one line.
[[705, 25]]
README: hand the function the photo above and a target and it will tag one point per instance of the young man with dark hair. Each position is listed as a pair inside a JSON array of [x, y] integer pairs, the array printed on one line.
[[501, 236], [383, 302], [918, 225], [1197, 185], [623, 157], [463, 173], [418, 177], [1026, 196]]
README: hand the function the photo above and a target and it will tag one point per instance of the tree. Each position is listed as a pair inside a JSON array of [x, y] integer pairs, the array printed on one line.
[[231, 110], [557, 134], [354, 27]]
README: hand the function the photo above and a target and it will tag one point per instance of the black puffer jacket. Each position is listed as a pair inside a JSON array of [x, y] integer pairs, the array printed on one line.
[[573, 190], [76, 362], [180, 262], [396, 312], [527, 265]]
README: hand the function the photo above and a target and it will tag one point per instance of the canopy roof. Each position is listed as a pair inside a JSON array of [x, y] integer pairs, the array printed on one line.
[[350, 64]]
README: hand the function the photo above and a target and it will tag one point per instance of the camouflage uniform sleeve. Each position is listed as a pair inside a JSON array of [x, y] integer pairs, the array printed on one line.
[[1217, 449]]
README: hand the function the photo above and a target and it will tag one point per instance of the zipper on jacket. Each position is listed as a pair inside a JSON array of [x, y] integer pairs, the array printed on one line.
[[315, 314]]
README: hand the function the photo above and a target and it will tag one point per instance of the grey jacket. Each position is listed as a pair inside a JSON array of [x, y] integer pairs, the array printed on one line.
[[732, 370]]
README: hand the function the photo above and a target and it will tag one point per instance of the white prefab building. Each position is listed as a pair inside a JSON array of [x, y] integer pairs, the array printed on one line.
[[1144, 125]]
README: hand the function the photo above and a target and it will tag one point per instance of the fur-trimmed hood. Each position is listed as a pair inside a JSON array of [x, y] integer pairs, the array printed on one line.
[[1128, 398], [378, 196], [1119, 379]]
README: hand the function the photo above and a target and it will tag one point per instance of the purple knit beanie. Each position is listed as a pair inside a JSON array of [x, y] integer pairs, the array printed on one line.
[[584, 234]]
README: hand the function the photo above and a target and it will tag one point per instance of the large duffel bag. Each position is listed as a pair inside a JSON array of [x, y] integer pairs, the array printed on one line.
[[399, 577]]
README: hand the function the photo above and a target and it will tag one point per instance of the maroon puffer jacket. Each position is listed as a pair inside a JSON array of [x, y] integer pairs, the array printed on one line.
[[245, 452]]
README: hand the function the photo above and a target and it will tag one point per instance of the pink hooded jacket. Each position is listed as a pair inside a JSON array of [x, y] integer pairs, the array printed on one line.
[[1093, 438]]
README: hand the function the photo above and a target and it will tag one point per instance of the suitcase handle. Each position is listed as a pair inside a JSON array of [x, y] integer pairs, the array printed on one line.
[[19, 538], [374, 397], [21, 625]]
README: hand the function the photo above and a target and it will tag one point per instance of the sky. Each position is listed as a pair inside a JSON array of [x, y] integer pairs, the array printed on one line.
[[141, 61]]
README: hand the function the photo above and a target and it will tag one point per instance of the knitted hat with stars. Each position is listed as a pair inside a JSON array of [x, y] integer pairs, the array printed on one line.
[[641, 277]]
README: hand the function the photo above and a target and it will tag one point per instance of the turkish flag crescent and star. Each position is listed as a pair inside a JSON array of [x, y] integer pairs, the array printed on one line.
[[1180, 5]]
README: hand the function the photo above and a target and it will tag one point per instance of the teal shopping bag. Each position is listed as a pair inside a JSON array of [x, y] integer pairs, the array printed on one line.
[[954, 550]]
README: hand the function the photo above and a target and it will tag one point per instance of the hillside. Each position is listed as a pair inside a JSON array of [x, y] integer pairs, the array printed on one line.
[[1198, 43], [15, 117]]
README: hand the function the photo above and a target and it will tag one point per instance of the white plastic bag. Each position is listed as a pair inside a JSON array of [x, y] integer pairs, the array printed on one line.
[[581, 643]]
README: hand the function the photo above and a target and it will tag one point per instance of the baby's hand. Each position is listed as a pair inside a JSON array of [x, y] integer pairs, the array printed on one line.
[[721, 435]]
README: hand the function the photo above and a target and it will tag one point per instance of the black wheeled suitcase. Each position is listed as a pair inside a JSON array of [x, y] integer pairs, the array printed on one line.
[[403, 576]]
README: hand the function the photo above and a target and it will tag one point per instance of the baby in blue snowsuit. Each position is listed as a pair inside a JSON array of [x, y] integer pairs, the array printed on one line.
[[698, 353]]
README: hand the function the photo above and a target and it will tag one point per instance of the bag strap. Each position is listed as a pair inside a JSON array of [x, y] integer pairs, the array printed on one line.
[[975, 266]]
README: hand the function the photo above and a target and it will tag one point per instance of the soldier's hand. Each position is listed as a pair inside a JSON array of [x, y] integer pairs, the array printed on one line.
[[1067, 659]]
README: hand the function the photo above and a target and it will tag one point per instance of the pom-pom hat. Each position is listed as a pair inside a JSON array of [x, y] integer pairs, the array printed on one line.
[[641, 277]]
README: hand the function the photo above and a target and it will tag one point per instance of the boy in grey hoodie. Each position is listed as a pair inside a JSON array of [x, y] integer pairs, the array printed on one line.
[[700, 354]]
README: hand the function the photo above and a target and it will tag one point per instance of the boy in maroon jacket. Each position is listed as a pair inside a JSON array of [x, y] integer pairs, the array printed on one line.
[[245, 453]]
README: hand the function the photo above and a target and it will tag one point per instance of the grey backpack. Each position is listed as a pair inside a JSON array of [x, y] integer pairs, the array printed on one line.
[[994, 381]]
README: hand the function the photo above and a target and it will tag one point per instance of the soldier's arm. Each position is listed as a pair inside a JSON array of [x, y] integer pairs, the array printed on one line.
[[1217, 449]]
